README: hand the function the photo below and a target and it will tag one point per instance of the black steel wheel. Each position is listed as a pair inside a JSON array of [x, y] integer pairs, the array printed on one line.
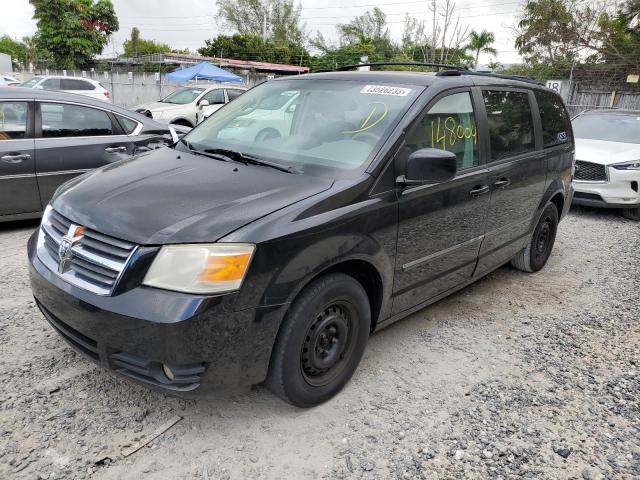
[[321, 341], [537, 252]]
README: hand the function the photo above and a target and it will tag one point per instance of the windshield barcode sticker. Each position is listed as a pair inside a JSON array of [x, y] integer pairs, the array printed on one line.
[[384, 90]]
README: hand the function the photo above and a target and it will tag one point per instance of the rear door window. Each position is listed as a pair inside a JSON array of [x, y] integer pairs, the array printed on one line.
[[13, 120], [450, 124], [51, 84], [510, 123], [66, 120], [556, 125], [73, 84]]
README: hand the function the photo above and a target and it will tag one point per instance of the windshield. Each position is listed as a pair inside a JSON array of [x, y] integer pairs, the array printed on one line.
[[314, 126], [183, 96], [31, 82], [611, 128]]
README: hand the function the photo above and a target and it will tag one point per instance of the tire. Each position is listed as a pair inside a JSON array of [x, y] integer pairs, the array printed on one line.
[[537, 252], [631, 213], [321, 341], [184, 123]]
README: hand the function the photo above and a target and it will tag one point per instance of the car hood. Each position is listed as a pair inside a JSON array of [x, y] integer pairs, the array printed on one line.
[[168, 196], [605, 152], [160, 106]]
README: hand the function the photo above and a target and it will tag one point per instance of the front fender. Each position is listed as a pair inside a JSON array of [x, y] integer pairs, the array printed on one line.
[[365, 231]]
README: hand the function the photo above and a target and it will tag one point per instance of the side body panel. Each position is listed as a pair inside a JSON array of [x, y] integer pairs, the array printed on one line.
[[18, 186]]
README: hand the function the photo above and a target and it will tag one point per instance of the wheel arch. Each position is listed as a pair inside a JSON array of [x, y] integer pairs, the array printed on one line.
[[182, 121], [364, 271]]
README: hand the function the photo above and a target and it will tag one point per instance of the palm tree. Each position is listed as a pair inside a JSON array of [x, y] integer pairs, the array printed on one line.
[[481, 42]]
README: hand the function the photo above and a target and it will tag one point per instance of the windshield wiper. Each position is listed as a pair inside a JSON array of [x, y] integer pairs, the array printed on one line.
[[205, 153], [250, 159]]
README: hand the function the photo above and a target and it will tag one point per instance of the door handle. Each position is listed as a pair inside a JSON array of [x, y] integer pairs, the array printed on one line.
[[503, 182], [479, 190], [115, 149], [21, 157]]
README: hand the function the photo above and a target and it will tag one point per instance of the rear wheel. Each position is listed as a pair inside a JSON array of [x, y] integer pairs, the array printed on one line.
[[631, 213], [537, 252], [321, 341]]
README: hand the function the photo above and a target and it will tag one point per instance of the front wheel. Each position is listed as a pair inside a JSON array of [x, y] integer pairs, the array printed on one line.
[[537, 252], [631, 213], [321, 341]]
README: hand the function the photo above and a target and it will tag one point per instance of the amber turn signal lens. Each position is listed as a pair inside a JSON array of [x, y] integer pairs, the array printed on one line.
[[225, 268]]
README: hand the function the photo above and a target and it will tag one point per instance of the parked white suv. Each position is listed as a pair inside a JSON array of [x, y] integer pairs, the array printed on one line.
[[184, 106], [607, 170], [77, 85]]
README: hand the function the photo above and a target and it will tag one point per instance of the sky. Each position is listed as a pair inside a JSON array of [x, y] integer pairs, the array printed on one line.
[[187, 23]]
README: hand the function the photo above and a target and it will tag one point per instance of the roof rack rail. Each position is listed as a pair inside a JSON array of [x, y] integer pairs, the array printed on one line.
[[387, 64], [520, 78]]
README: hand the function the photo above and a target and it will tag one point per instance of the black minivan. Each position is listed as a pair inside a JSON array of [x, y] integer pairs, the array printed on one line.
[[268, 243]]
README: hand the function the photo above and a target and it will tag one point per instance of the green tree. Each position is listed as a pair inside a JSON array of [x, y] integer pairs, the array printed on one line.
[[73, 31], [547, 31], [481, 43], [138, 46], [617, 40], [134, 42], [370, 28], [250, 17], [254, 47], [14, 48]]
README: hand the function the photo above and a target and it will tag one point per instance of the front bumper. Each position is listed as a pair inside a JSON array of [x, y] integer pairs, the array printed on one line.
[[619, 191], [204, 341]]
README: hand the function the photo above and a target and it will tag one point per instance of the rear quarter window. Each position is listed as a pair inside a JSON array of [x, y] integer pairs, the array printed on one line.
[[556, 124]]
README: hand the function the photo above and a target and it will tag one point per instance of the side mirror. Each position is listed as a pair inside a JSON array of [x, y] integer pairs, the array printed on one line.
[[291, 108], [429, 165], [203, 103]]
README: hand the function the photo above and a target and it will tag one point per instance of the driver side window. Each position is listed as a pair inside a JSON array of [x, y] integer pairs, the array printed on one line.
[[214, 97], [450, 125]]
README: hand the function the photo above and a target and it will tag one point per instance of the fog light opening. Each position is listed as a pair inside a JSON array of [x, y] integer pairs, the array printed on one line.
[[168, 372]]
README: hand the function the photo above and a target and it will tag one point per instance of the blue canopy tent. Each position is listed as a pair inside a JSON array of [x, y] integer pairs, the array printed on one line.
[[203, 71]]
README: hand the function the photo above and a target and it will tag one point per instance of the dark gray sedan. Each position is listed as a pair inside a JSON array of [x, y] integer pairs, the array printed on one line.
[[46, 138]]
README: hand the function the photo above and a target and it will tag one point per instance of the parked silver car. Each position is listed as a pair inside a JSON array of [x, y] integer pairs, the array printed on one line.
[[47, 138]]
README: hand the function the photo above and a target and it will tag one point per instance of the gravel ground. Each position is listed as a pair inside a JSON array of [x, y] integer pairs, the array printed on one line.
[[517, 376]]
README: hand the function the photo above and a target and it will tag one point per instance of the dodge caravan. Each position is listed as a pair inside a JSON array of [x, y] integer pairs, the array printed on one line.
[[234, 258]]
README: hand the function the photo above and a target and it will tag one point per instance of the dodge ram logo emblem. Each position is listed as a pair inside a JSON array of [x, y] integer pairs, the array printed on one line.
[[65, 252]]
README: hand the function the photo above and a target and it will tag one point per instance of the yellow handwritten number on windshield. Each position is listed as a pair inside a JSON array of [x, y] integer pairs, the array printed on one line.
[[446, 133]]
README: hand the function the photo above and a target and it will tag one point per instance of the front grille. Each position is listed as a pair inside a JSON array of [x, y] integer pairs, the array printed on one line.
[[80, 342], [96, 260], [590, 172]]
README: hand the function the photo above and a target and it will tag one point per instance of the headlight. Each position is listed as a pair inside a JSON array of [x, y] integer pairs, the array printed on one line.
[[242, 123], [632, 165], [200, 268], [156, 114]]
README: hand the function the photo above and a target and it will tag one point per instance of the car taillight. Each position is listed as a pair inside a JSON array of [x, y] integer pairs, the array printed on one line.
[[106, 93]]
